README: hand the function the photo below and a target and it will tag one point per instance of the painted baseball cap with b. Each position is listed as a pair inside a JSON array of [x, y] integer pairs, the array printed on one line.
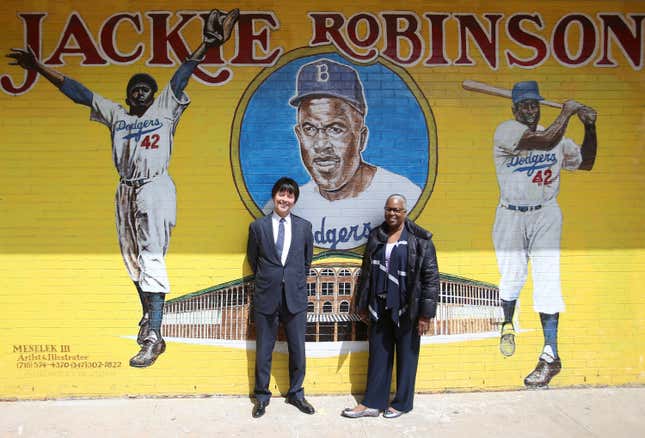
[[326, 78], [525, 90]]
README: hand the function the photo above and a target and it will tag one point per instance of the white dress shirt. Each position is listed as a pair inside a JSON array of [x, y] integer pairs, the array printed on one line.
[[275, 221]]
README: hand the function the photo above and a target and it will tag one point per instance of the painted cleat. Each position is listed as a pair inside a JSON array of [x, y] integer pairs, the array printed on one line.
[[507, 339], [546, 368], [152, 347], [144, 329]]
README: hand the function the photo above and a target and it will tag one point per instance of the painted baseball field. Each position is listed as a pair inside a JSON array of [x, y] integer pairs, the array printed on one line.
[[140, 141]]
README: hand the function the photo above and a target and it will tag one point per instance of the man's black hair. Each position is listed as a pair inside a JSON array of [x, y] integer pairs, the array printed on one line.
[[285, 184], [141, 77]]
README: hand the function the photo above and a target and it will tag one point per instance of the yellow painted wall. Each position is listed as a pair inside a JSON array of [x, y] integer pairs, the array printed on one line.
[[62, 280]]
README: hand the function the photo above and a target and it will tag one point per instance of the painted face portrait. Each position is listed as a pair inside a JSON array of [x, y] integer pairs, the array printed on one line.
[[140, 95], [527, 112], [331, 135]]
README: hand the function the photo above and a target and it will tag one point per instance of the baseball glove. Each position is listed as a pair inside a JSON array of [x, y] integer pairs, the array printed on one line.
[[219, 26]]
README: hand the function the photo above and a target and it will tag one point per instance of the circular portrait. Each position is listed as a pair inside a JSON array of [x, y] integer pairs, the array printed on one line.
[[349, 134]]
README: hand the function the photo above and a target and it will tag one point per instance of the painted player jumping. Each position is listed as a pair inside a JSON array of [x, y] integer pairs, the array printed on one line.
[[528, 222], [142, 142]]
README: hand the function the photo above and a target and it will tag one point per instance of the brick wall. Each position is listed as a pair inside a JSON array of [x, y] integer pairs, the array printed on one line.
[[69, 309]]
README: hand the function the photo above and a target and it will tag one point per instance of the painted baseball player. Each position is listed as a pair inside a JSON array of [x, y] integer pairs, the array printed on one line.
[[142, 143], [528, 222]]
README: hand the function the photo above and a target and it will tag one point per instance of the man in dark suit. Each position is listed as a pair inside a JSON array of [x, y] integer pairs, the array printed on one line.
[[279, 250]]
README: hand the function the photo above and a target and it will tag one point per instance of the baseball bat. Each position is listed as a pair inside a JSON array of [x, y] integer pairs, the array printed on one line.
[[480, 87]]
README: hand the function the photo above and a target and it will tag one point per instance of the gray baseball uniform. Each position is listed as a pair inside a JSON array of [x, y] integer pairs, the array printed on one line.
[[146, 197], [528, 222]]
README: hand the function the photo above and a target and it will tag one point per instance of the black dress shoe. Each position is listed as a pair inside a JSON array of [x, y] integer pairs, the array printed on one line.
[[302, 404], [260, 408]]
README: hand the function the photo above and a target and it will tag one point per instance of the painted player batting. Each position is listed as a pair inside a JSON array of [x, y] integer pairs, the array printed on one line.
[[528, 222], [142, 142]]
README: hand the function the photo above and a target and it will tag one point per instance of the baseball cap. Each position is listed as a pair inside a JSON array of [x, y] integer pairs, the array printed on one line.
[[525, 90], [326, 78], [142, 77]]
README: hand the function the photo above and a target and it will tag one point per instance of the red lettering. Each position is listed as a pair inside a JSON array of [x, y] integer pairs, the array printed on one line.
[[539, 180], [108, 38], [222, 75], [409, 33], [162, 39], [630, 43], [85, 45], [147, 144], [574, 41], [526, 39], [468, 23], [327, 25], [32, 24], [327, 29], [437, 40], [587, 40], [372, 34], [248, 40]]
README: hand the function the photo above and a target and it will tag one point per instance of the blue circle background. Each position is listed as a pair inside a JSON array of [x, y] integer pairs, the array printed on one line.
[[398, 132]]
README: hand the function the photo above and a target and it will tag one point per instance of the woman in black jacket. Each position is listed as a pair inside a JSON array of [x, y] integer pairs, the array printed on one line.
[[398, 292]]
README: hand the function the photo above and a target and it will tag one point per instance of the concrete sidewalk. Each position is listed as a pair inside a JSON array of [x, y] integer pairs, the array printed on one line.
[[589, 412]]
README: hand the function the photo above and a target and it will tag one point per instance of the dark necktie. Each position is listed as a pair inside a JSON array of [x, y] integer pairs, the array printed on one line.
[[279, 243]]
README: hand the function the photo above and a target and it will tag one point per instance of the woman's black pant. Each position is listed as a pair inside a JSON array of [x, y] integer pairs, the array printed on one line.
[[386, 340]]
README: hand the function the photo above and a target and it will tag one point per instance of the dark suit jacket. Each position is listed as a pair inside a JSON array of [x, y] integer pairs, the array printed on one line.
[[268, 270]]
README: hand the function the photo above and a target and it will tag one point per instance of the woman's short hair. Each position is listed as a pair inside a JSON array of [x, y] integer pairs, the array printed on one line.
[[398, 196]]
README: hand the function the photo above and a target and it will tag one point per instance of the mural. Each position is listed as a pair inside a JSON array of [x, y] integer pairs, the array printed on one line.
[[353, 106]]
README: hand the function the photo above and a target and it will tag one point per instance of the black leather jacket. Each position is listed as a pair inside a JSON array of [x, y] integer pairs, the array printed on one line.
[[422, 271]]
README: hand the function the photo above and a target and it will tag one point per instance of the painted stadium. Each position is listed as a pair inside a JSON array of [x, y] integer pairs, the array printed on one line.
[[222, 314]]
